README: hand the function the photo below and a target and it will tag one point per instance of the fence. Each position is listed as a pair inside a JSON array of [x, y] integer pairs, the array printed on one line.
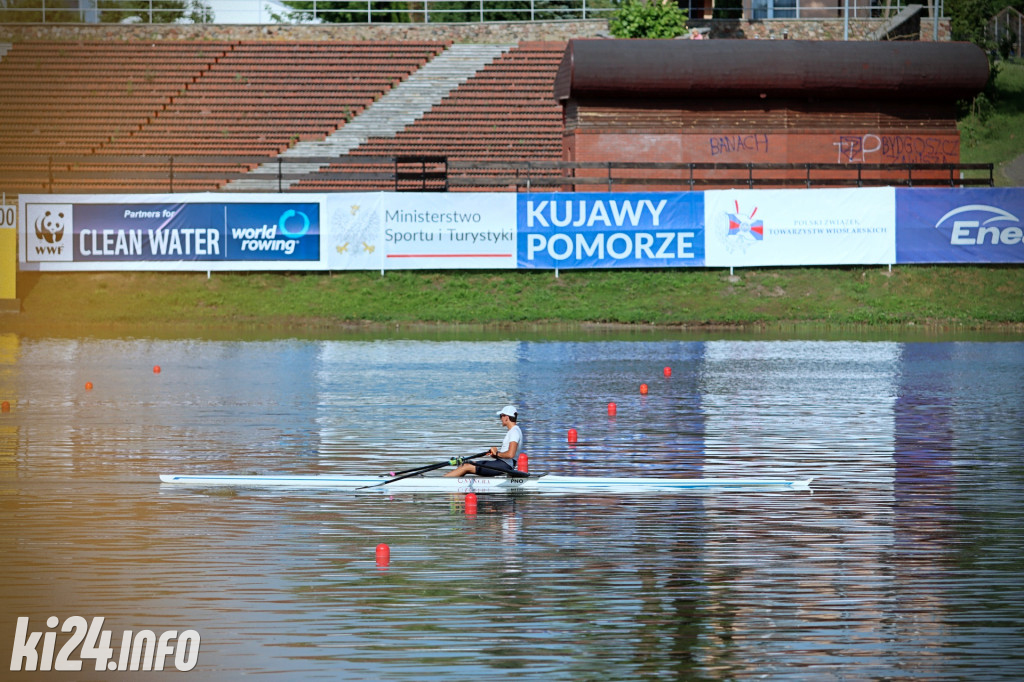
[[437, 173], [405, 11], [1006, 30]]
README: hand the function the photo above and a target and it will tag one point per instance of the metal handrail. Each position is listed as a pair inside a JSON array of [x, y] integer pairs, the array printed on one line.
[[261, 12], [51, 171]]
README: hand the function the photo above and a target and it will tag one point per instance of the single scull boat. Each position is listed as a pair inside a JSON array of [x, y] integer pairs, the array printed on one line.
[[543, 483]]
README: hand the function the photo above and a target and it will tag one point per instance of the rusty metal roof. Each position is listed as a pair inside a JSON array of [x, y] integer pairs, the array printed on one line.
[[771, 68]]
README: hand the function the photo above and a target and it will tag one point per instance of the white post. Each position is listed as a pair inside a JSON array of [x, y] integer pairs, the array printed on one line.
[[846, 19]]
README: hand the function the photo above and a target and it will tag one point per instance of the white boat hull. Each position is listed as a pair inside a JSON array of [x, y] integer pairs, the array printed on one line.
[[474, 484]]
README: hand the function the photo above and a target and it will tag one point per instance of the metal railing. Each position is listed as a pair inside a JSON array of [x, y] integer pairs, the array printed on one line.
[[404, 11], [56, 174], [297, 11]]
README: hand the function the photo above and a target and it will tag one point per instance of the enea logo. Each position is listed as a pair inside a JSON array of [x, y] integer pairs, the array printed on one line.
[[979, 224], [49, 232]]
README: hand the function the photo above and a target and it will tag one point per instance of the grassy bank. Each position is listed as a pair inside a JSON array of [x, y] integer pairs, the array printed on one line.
[[993, 130], [134, 303]]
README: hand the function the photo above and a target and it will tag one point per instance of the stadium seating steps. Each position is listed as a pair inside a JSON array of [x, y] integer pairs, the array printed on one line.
[[85, 117]]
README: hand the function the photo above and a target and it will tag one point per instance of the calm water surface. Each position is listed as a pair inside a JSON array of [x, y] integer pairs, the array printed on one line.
[[906, 561]]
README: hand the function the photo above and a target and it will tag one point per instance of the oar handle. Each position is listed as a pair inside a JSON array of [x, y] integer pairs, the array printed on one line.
[[428, 467], [416, 472]]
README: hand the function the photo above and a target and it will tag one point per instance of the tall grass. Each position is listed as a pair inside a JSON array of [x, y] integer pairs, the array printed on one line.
[[992, 131]]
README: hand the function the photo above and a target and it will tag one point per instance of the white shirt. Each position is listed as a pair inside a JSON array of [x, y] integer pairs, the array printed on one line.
[[515, 434]]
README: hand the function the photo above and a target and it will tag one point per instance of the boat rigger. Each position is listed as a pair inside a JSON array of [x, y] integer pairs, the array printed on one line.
[[497, 484]]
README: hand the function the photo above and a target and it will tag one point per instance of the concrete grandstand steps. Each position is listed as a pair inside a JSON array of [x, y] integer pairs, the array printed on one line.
[[485, 119], [401, 106]]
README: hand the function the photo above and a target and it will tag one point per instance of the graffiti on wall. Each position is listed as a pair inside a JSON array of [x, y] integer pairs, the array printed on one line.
[[730, 144], [871, 148]]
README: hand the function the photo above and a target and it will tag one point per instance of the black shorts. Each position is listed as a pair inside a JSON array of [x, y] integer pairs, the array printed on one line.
[[496, 466]]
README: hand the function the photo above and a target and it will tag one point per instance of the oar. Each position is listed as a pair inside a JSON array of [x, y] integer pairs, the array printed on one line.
[[422, 470], [431, 467]]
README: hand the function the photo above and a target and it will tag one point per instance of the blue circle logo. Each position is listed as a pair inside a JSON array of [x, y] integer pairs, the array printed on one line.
[[282, 223]]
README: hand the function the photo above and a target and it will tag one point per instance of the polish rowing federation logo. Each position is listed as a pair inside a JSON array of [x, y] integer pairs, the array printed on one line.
[[743, 230], [746, 227], [48, 236]]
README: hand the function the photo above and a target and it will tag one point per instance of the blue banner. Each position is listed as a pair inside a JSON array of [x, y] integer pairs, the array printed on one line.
[[981, 225], [620, 230], [196, 232]]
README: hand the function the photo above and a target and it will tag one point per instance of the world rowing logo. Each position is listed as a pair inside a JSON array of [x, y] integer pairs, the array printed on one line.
[[742, 231], [293, 231]]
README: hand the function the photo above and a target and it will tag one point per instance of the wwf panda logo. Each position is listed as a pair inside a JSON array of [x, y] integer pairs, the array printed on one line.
[[50, 227]]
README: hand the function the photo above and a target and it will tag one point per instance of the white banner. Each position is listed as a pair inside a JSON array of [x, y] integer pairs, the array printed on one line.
[[800, 227], [449, 231], [352, 234]]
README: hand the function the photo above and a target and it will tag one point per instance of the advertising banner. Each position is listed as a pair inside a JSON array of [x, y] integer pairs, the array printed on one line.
[[169, 232], [982, 225], [403, 231], [800, 227], [620, 230], [353, 239], [449, 231]]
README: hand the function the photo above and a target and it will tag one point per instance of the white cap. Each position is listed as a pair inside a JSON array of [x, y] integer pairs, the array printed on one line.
[[510, 410]]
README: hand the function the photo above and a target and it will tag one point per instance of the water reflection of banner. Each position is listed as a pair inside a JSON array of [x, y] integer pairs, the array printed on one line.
[[800, 227], [781, 408]]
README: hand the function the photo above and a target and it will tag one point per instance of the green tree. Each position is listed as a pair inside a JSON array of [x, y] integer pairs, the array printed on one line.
[[345, 11], [106, 11], [969, 18], [648, 19]]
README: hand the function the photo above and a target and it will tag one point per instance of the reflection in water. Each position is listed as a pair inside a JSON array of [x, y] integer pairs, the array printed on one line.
[[904, 562]]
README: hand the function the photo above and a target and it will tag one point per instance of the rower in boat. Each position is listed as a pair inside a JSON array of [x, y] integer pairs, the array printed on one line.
[[503, 460]]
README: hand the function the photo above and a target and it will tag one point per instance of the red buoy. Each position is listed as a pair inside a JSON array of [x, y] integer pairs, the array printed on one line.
[[667, 371], [470, 503], [88, 385], [6, 407], [612, 409], [573, 435], [156, 369], [383, 554], [523, 463], [643, 389]]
